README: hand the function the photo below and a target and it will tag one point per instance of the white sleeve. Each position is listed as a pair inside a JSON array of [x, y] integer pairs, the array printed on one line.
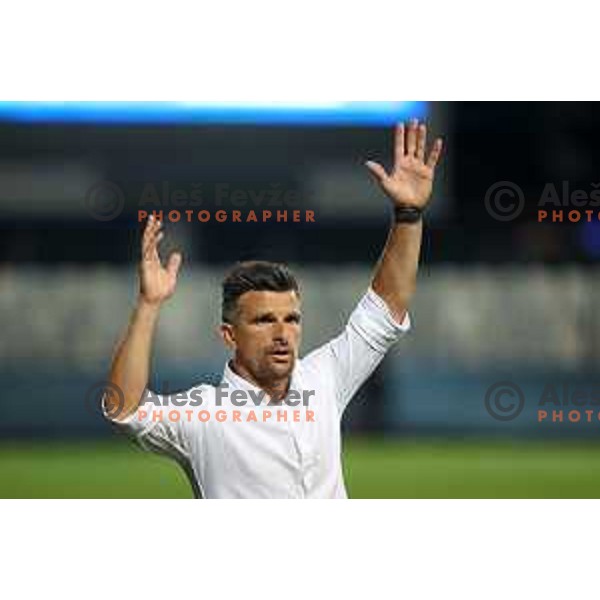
[[353, 356], [157, 425]]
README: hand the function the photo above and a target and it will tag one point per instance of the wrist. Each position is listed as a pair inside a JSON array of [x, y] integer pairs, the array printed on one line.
[[408, 214], [146, 306]]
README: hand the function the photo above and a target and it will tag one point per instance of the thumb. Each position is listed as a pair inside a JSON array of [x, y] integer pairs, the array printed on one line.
[[377, 170], [174, 263]]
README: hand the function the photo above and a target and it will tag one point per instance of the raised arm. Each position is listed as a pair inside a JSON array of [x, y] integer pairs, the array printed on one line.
[[131, 363], [409, 187]]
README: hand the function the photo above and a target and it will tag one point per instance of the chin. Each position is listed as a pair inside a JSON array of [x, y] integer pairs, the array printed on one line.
[[282, 370]]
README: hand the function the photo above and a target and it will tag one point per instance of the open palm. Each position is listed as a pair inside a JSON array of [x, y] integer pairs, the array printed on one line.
[[157, 283], [411, 180]]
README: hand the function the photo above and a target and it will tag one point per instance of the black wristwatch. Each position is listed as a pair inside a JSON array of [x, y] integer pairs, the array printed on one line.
[[407, 214]]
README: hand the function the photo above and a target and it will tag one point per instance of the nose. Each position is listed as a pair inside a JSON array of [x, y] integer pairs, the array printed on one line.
[[279, 334]]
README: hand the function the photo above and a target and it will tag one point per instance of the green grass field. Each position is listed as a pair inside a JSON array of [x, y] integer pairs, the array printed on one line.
[[374, 469]]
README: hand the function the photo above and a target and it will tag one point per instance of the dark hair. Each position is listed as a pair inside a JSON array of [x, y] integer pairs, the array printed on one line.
[[254, 276]]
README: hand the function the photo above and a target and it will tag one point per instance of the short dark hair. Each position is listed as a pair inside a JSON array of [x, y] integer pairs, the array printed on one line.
[[254, 276]]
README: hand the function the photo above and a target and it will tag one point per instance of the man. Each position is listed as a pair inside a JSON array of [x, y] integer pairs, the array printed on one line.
[[248, 438]]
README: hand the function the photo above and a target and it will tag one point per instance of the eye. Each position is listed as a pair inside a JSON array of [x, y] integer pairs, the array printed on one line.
[[263, 319], [293, 319]]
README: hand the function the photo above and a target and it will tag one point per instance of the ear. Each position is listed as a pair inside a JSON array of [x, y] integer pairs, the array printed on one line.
[[227, 335]]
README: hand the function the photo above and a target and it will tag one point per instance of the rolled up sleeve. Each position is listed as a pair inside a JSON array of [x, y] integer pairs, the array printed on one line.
[[373, 321], [152, 426]]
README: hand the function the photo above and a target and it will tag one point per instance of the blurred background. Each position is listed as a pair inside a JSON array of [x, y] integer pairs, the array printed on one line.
[[498, 301]]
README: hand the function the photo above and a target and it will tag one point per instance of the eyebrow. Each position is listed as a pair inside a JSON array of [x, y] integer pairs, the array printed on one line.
[[271, 315]]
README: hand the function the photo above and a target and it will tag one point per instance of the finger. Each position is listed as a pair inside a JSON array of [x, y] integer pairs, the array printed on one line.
[[151, 225], [421, 141], [435, 153], [400, 149], [148, 244], [151, 252], [377, 170], [411, 141], [150, 234], [174, 263]]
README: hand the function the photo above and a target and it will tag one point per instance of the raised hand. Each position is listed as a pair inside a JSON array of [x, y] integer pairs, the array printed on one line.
[[157, 283], [411, 181]]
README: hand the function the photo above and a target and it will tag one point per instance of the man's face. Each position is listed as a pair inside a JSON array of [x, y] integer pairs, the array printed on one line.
[[265, 335]]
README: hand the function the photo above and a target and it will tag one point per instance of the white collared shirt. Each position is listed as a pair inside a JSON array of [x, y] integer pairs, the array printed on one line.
[[266, 450]]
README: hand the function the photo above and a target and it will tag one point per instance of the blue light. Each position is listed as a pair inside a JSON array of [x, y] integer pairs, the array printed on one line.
[[589, 235], [274, 113]]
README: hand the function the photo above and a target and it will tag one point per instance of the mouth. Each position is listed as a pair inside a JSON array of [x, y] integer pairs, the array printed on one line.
[[281, 355]]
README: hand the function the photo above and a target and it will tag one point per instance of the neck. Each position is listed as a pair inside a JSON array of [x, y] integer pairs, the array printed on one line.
[[275, 388]]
